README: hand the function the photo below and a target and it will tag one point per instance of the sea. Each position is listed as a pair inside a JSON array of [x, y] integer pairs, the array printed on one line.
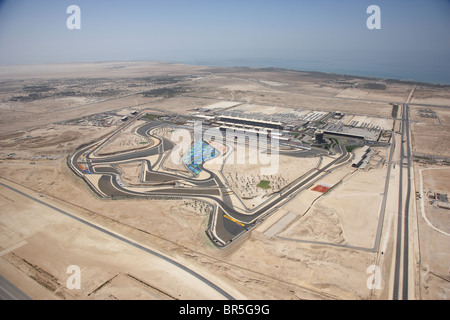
[[435, 70]]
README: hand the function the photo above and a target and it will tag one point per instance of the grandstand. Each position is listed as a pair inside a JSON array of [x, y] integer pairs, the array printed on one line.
[[243, 123]]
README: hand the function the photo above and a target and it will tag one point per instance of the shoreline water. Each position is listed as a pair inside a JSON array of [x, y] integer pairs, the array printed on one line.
[[381, 71], [315, 66]]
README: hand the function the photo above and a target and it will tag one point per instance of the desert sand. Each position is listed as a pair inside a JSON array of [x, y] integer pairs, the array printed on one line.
[[321, 254]]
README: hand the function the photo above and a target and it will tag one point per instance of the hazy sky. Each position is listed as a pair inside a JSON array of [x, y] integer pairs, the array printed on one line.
[[324, 33]]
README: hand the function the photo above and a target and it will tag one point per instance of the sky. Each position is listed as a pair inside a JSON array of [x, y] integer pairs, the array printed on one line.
[[323, 35]]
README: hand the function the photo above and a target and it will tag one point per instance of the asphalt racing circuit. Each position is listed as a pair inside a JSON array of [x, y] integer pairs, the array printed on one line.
[[227, 223]]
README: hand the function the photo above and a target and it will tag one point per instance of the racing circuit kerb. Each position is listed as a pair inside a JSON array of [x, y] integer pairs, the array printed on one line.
[[264, 150]]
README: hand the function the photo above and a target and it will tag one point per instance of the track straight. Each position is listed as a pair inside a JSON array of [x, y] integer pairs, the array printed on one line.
[[402, 245], [408, 198], [399, 215]]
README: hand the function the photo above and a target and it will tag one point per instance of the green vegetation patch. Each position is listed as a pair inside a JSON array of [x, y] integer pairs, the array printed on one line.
[[335, 140], [151, 116], [38, 89], [394, 111], [264, 184], [164, 92], [350, 148], [373, 86]]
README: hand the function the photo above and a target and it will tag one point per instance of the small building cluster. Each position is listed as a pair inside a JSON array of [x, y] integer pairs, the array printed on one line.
[[362, 158], [438, 199]]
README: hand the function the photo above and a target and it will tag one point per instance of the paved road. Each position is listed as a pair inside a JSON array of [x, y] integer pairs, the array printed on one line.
[[401, 272], [385, 195], [8, 291], [407, 202]]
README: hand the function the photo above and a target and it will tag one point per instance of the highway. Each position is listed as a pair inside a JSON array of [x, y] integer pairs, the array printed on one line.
[[401, 273], [228, 223]]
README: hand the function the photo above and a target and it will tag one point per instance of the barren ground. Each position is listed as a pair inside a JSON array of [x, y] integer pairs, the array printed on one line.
[[38, 243], [435, 255]]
